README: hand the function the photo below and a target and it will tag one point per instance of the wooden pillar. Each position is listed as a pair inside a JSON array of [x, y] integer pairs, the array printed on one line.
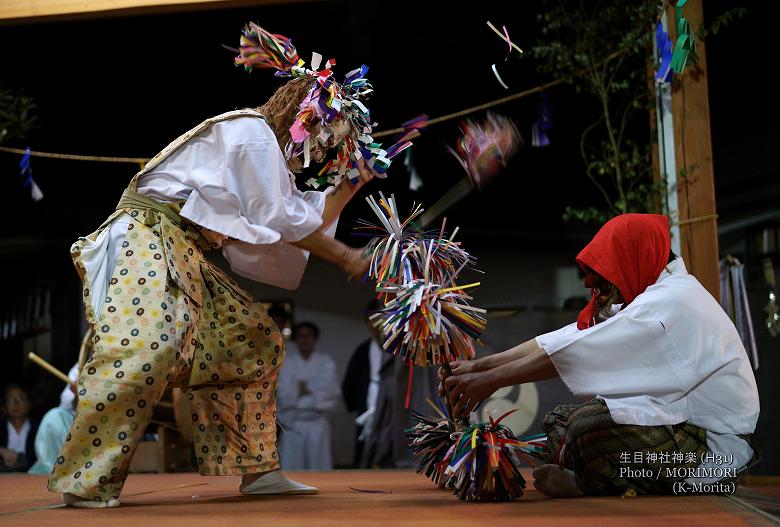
[[693, 156]]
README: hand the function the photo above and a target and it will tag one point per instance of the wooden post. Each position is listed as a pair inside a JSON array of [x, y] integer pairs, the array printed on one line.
[[693, 155]]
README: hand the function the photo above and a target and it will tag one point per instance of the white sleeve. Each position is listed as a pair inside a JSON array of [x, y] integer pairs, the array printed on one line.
[[627, 355], [239, 187], [251, 199], [279, 264], [554, 339], [67, 396]]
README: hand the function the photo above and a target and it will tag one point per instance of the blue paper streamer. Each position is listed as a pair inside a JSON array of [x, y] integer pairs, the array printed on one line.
[[543, 123], [664, 74], [25, 167]]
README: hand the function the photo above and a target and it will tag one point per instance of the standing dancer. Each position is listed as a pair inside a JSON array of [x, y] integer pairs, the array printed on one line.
[[164, 315]]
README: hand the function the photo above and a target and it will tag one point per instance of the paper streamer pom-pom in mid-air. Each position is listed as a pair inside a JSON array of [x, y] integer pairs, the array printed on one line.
[[259, 48], [484, 148], [426, 318]]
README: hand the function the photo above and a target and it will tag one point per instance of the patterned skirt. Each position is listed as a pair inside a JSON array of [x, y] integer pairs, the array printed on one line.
[[610, 458], [170, 318]]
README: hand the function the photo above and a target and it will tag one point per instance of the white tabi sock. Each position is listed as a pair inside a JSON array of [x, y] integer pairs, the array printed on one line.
[[276, 483], [71, 500]]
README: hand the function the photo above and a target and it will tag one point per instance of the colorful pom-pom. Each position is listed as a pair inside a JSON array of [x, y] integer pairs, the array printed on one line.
[[260, 49], [426, 318], [480, 462], [486, 147]]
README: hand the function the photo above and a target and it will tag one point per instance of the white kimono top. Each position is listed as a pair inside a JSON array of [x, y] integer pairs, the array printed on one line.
[[670, 356], [319, 373], [305, 443], [233, 180]]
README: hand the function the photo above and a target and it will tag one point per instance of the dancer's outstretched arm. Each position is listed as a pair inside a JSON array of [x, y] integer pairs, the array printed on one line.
[[351, 260], [466, 391]]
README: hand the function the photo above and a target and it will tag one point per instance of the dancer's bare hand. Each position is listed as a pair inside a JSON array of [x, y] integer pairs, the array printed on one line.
[[461, 367], [355, 262], [458, 367], [466, 391], [366, 174]]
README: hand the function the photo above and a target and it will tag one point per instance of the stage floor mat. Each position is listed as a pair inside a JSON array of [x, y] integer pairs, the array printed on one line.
[[353, 497]]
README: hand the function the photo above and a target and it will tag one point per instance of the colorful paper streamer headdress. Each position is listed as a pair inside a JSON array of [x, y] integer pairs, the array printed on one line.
[[326, 102]]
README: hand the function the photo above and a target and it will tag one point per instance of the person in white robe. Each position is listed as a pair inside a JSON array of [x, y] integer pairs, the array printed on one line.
[[671, 389], [55, 426], [308, 392], [50, 437], [360, 386]]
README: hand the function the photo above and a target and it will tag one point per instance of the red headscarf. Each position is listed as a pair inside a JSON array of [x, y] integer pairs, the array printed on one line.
[[629, 251]]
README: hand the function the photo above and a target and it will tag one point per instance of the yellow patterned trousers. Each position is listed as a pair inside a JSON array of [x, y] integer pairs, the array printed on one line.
[[171, 319]]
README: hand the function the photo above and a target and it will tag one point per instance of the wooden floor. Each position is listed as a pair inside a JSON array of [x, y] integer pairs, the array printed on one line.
[[399, 499]]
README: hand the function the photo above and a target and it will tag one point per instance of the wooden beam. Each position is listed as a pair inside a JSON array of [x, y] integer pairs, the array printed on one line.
[[16, 11], [693, 154]]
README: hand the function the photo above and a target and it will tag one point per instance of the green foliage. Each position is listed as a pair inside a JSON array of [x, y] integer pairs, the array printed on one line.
[[17, 114], [723, 20], [577, 36], [602, 48]]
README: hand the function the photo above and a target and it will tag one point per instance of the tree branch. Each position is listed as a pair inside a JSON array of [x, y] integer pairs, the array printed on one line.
[[583, 145]]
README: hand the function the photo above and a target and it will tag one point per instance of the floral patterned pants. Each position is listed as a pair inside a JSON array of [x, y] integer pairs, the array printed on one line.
[[213, 340]]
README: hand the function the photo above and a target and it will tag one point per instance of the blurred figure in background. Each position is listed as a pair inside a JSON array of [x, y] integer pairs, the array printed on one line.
[[54, 428], [385, 446], [360, 387], [308, 390], [17, 431], [68, 394]]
